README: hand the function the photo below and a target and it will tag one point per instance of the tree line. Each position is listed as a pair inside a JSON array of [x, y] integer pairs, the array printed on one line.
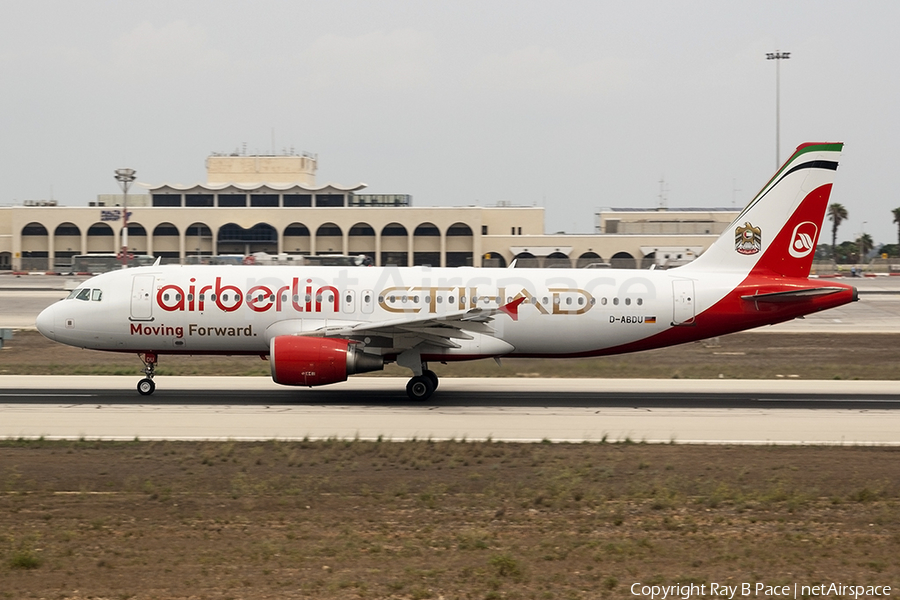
[[853, 251]]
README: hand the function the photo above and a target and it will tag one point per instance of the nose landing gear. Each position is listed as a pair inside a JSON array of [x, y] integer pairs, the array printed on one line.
[[145, 386]]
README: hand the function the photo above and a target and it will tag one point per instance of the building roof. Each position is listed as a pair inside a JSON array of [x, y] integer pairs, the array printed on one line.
[[254, 187]]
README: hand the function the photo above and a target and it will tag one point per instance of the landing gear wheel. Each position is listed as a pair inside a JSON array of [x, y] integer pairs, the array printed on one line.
[[420, 388], [432, 376], [145, 387]]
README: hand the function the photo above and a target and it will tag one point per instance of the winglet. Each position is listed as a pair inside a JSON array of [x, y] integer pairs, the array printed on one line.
[[512, 308]]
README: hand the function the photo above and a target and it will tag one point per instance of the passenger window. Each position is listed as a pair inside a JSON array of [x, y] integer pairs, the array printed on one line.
[[84, 294], [96, 295]]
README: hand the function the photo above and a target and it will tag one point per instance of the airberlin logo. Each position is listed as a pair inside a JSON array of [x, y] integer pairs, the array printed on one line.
[[803, 240]]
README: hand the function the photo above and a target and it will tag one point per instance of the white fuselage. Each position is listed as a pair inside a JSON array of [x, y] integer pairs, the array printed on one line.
[[238, 309]]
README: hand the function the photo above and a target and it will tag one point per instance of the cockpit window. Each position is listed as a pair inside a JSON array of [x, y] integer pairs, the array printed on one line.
[[86, 294]]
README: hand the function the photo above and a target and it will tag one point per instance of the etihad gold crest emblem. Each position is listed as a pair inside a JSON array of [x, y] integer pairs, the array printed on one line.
[[747, 239]]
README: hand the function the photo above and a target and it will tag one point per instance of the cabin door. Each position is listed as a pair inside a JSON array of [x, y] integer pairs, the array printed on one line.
[[683, 297], [141, 297]]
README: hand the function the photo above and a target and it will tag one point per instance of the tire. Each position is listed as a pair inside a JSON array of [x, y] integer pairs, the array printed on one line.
[[432, 376], [145, 387], [419, 388]]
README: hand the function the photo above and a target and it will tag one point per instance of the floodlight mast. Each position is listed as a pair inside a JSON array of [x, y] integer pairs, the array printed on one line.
[[125, 177], [777, 56]]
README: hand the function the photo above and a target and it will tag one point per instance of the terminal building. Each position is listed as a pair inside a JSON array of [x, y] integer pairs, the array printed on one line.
[[272, 204]]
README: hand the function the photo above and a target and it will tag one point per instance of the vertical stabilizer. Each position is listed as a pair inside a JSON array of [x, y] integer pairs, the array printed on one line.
[[777, 231]]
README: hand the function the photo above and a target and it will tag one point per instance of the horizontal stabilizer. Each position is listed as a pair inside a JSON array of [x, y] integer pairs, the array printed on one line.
[[794, 295]]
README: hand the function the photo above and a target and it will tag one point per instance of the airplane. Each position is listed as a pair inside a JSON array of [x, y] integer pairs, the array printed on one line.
[[317, 325]]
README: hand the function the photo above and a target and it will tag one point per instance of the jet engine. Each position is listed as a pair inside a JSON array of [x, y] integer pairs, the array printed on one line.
[[298, 360]]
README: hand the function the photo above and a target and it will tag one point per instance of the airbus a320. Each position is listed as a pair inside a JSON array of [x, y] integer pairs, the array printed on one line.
[[318, 325]]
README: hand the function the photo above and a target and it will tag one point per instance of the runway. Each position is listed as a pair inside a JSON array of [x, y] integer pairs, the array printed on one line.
[[558, 410]]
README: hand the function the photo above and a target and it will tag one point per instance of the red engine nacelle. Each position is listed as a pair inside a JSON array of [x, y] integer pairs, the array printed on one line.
[[297, 360]]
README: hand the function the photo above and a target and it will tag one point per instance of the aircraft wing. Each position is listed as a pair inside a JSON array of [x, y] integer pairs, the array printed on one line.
[[436, 330]]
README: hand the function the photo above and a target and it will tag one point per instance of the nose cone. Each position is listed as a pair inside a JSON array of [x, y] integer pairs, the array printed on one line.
[[46, 322]]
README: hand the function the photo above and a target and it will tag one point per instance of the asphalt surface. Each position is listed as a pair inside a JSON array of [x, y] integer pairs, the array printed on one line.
[[661, 411]]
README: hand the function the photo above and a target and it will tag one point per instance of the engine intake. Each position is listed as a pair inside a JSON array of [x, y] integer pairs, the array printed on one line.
[[298, 360]]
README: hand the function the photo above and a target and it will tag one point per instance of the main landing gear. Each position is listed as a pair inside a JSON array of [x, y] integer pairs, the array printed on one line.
[[421, 387], [145, 386]]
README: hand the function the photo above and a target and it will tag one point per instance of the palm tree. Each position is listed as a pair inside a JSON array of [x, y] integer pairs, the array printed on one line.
[[837, 213], [896, 212], [865, 244]]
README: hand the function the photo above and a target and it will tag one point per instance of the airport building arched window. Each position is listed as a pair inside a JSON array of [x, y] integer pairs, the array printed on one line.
[[427, 245], [198, 240], [296, 239], [587, 259], [137, 238], [394, 245], [35, 247], [557, 260], [362, 240], [460, 245], [329, 239], [527, 260], [493, 259], [100, 239], [623, 260], [67, 242]]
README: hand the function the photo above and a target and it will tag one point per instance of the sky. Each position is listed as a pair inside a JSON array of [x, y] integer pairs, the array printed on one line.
[[573, 105]]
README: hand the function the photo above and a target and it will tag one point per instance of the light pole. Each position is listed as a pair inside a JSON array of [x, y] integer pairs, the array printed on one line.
[[777, 56], [125, 177]]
